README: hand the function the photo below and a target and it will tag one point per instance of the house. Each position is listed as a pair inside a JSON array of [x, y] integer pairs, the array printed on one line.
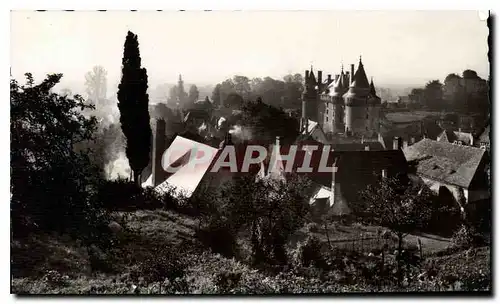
[[483, 140], [456, 137], [348, 173], [314, 130], [458, 172]]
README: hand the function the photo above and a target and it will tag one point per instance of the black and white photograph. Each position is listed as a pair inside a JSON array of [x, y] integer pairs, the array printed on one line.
[[211, 152]]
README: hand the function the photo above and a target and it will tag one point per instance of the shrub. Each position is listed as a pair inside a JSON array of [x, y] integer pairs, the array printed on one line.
[[165, 266], [467, 237], [309, 253], [226, 281], [219, 236]]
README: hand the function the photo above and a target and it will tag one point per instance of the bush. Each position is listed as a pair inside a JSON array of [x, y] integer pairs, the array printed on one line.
[[227, 281], [309, 253], [163, 265], [219, 237], [467, 237]]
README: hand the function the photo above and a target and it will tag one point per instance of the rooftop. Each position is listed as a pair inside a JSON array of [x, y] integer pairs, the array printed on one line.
[[446, 162]]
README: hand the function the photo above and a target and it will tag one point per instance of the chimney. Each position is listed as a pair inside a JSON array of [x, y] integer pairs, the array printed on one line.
[[337, 77], [367, 148], [412, 140], [384, 173], [307, 75], [396, 143], [352, 74], [159, 147], [277, 142], [459, 129], [329, 78], [333, 186], [320, 77], [405, 144]]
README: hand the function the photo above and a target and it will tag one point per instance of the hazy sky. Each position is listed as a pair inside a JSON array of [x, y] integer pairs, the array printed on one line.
[[409, 47]]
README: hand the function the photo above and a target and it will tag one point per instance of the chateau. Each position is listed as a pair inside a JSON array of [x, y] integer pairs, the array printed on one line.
[[346, 104]]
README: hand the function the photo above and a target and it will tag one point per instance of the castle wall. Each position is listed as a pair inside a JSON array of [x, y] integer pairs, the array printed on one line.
[[355, 117]]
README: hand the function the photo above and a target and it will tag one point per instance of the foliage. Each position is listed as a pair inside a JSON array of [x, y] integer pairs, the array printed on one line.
[[216, 95], [466, 237], [193, 94], [233, 101], [133, 106], [433, 94], [309, 253], [268, 212], [52, 185], [266, 122], [399, 205], [96, 84]]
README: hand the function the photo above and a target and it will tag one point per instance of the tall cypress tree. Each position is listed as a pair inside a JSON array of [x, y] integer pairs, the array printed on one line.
[[133, 105]]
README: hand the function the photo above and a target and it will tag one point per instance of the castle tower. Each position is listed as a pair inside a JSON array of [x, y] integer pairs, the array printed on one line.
[[339, 89], [356, 103], [310, 100], [374, 105]]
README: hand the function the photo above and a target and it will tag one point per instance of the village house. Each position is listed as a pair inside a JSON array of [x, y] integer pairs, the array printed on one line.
[[457, 172], [456, 137]]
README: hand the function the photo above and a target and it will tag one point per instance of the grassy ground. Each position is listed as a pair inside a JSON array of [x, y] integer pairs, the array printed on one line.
[[51, 264], [365, 238]]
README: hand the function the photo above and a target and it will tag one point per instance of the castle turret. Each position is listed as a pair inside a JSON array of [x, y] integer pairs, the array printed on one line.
[[356, 103], [374, 105], [310, 100], [336, 93]]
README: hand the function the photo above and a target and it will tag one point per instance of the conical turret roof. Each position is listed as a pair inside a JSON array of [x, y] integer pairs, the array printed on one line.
[[360, 79], [374, 99], [338, 88]]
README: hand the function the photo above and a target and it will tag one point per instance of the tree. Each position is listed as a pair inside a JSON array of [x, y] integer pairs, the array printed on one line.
[[242, 86], [133, 106], [193, 94], [399, 205], [433, 94], [96, 84], [293, 90], [233, 101], [266, 122], [52, 184], [173, 100], [269, 211], [216, 96]]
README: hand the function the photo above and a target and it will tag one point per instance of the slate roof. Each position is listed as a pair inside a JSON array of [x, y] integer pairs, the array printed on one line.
[[310, 127], [485, 136], [452, 136], [188, 176], [197, 114], [445, 162]]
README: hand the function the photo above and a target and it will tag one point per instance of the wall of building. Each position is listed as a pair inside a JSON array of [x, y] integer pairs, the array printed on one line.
[[374, 119], [355, 117], [328, 120]]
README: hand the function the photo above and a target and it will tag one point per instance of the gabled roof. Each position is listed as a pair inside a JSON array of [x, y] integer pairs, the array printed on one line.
[[310, 127], [452, 136], [196, 114], [188, 174], [485, 136], [442, 161], [358, 146]]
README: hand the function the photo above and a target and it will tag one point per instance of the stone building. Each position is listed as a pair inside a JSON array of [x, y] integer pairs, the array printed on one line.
[[347, 104]]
